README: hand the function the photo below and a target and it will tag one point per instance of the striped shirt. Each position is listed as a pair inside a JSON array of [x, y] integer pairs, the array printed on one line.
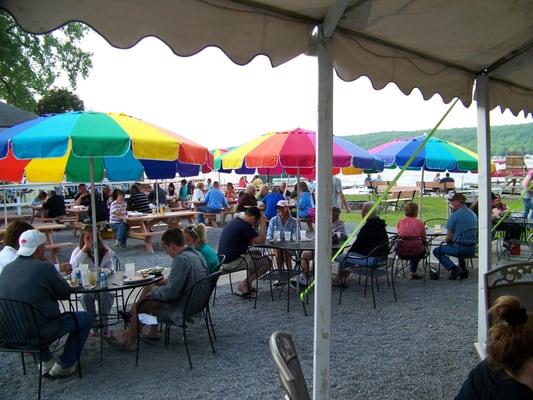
[[139, 202], [115, 210]]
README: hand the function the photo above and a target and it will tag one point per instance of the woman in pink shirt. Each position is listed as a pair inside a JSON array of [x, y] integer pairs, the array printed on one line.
[[413, 231]]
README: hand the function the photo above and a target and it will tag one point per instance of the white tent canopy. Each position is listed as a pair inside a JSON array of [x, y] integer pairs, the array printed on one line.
[[440, 47], [435, 46]]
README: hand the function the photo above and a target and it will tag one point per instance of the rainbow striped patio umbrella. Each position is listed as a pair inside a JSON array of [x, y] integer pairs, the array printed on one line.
[[294, 152], [80, 146], [437, 155], [58, 147], [217, 153]]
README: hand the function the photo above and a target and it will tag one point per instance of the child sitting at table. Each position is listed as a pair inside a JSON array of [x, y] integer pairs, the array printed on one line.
[[83, 254]]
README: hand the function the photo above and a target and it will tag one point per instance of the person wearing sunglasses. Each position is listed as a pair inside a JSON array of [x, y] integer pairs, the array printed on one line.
[[196, 236]]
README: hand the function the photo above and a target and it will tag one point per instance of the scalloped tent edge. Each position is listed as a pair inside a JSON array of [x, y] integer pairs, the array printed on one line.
[[382, 43]]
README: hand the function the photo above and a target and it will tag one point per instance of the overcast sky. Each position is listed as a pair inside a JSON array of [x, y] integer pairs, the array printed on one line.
[[209, 99]]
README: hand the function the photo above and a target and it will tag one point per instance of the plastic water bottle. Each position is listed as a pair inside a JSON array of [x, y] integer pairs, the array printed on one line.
[[77, 277], [103, 279]]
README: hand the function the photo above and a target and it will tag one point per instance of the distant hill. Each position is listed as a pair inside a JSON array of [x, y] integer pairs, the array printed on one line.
[[504, 138]]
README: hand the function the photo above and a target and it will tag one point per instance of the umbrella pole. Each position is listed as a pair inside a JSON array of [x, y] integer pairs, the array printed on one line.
[[421, 195], [5, 205], [156, 196], [93, 216], [298, 205]]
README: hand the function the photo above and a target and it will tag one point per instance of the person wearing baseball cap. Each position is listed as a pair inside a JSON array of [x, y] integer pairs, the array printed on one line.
[[30, 279], [282, 222], [270, 201], [461, 223]]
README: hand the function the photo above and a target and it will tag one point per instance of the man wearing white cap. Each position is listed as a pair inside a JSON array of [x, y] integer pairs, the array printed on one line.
[[31, 280], [282, 222]]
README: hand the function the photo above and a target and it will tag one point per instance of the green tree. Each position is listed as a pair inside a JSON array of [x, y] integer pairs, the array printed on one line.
[[59, 101], [30, 64]]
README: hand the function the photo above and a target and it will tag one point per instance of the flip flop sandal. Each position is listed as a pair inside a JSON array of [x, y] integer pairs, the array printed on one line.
[[251, 294]]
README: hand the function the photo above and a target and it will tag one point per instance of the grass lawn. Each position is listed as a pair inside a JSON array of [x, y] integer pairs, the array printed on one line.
[[432, 207]]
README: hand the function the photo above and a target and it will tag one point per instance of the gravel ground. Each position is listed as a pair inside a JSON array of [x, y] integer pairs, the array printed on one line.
[[418, 348]]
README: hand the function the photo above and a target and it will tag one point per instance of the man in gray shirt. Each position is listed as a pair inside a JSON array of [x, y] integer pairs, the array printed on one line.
[[37, 282], [337, 199], [188, 267]]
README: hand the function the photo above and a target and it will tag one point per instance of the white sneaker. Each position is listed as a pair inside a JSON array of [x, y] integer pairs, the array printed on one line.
[[57, 371], [47, 366], [302, 280]]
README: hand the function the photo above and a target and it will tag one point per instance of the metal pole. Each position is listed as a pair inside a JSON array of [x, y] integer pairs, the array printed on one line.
[[484, 201], [421, 195], [324, 151], [156, 196], [298, 204], [5, 204], [93, 217]]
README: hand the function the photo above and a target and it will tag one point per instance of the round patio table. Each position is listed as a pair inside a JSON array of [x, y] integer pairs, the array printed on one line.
[[430, 231], [296, 250], [115, 284]]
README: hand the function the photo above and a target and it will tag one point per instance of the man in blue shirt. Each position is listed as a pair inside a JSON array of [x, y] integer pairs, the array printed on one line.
[[270, 201], [215, 202], [461, 238], [283, 222]]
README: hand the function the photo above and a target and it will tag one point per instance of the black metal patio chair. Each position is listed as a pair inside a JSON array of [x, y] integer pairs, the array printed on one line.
[[197, 303], [372, 266], [20, 333]]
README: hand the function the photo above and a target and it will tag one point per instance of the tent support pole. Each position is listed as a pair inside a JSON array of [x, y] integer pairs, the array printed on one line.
[[484, 199], [93, 217], [324, 149], [324, 158]]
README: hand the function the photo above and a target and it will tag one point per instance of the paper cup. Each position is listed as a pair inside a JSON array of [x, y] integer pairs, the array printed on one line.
[[129, 268]]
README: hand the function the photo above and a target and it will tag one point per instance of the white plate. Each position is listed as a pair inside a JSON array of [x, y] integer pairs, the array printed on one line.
[[153, 270], [137, 279]]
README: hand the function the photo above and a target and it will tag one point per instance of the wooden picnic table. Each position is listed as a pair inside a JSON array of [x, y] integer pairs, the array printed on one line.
[[75, 216], [141, 225], [15, 217]]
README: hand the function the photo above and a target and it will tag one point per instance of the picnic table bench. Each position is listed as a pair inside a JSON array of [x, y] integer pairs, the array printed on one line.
[[141, 225], [398, 197], [435, 187]]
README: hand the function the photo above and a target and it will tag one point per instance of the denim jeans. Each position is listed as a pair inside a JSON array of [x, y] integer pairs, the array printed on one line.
[[359, 259], [413, 264], [528, 207], [455, 250], [121, 229], [205, 209], [76, 338], [89, 300]]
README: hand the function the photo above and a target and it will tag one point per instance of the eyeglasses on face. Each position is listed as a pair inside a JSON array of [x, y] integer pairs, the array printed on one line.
[[192, 231]]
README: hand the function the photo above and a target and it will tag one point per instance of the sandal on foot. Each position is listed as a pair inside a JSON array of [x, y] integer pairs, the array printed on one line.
[[150, 338], [251, 294]]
